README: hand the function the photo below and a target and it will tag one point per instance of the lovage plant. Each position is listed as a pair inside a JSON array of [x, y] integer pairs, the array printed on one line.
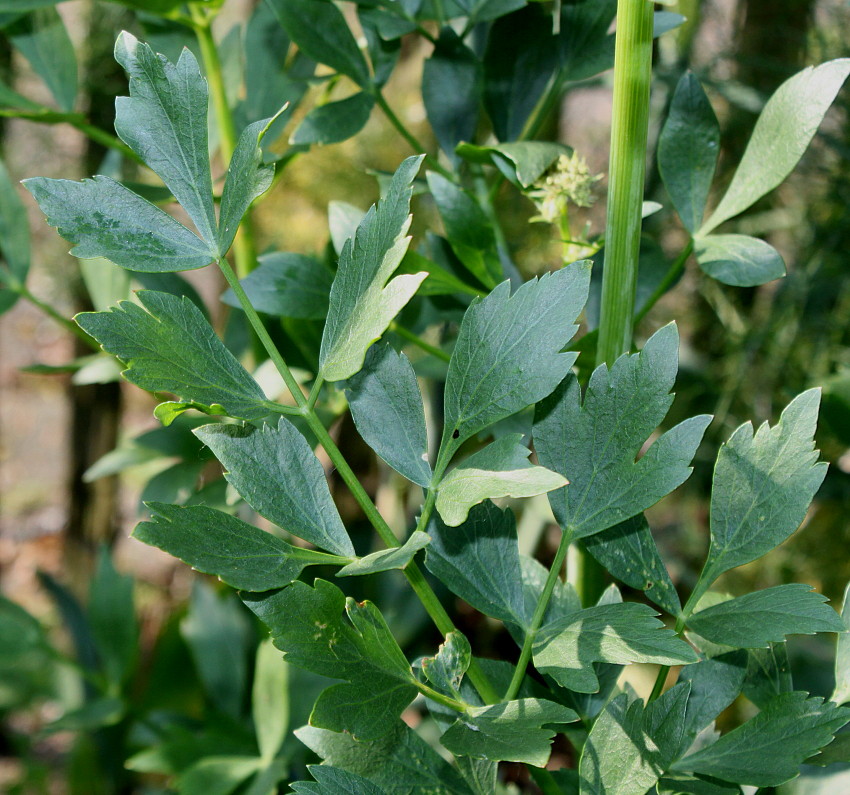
[[508, 381]]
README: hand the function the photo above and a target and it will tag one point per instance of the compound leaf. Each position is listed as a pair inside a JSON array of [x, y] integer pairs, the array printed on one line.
[[213, 542], [740, 260], [400, 762], [279, 476], [768, 749], [512, 731], [363, 299], [247, 178], [164, 121], [628, 551], [758, 619], [762, 487], [387, 559], [105, 219], [287, 285], [614, 633], [594, 443], [508, 351], [687, 150], [308, 626], [782, 133], [320, 30], [501, 469], [168, 346], [387, 409]]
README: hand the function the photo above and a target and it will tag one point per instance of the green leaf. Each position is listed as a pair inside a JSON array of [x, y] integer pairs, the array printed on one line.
[[628, 552], [523, 162], [664, 722], [757, 619], [217, 775], [841, 694], [768, 674], [164, 121], [92, 715], [782, 133], [364, 299], [387, 559], [445, 670], [399, 762], [762, 487], [715, 684], [105, 219], [386, 406], [688, 148], [501, 469], [335, 781], [616, 759], [594, 443], [468, 230], [511, 731], [307, 624], [614, 633], [42, 39], [520, 59], [14, 240], [837, 751], [279, 476], [440, 280], [247, 178], [287, 285], [585, 45], [270, 700], [219, 635], [508, 351], [451, 91], [679, 784], [213, 542], [320, 30], [739, 260], [112, 617], [479, 561], [334, 122], [21, 632], [168, 346], [768, 749]]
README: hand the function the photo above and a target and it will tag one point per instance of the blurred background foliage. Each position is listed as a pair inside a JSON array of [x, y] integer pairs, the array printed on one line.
[[172, 658]]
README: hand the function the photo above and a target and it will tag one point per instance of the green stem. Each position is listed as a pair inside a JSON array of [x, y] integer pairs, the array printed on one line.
[[68, 325], [544, 107], [629, 125], [667, 282], [419, 342], [537, 618], [262, 334], [630, 120], [244, 249], [681, 620], [446, 701], [408, 136], [314, 392]]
